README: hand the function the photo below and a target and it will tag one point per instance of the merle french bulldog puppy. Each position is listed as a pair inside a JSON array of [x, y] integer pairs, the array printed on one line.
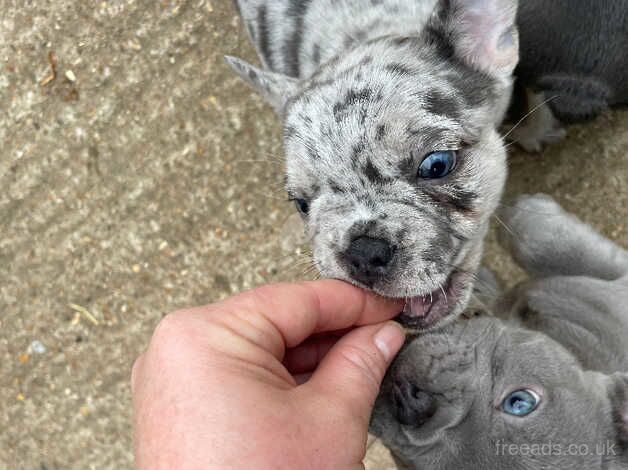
[[389, 114], [574, 55], [545, 386]]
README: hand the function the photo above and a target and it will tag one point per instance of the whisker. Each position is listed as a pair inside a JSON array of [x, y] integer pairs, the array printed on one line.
[[528, 114], [310, 271], [270, 162], [274, 157], [505, 225], [273, 194], [445, 294]]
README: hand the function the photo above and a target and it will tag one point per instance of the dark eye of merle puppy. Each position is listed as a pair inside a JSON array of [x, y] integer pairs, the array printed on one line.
[[437, 164], [302, 206]]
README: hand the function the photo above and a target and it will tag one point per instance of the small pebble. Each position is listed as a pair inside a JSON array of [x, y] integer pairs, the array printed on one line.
[[70, 76], [37, 347]]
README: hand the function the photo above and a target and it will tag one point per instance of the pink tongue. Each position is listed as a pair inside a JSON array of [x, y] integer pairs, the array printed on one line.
[[418, 306]]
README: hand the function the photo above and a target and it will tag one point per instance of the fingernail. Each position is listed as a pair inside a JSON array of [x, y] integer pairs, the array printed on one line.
[[389, 340]]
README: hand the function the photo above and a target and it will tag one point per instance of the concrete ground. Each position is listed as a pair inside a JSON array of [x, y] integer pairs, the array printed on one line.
[[141, 176]]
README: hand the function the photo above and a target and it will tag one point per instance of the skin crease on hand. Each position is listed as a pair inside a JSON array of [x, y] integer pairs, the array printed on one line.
[[283, 376]]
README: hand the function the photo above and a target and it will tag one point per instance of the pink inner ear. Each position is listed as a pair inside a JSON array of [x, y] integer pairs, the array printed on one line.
[[486, 33]]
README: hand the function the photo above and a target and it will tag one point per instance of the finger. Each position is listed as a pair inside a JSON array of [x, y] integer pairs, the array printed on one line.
[[300, 310], [352, 371], [307, 356]]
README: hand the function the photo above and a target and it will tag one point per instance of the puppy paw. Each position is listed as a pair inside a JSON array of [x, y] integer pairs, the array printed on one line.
[[531, 214], [534, 228], [539, 128], [546, 240], [533, 138]]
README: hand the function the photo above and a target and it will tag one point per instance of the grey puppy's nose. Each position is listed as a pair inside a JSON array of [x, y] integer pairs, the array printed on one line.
[[413, 406], [368, 259]]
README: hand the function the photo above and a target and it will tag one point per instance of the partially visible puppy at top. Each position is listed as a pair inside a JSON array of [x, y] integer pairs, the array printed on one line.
[[573, 66]]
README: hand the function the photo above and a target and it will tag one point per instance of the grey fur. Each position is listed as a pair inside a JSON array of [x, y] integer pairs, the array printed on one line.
[[575, 49], [562, 334], [573, 54], [366, 89]]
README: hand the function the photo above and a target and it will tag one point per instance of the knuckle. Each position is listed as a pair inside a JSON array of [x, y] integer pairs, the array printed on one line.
[[172, 333], [170, 325], [259, 299]]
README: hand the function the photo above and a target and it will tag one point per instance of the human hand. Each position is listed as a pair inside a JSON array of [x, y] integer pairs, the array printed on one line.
[[219, 385]]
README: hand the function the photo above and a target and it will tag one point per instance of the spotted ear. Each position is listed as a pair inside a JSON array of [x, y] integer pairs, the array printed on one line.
[[275, 88], [483, 33]]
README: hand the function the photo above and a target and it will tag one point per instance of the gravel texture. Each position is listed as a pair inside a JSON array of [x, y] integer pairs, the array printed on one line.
[[142, 176]]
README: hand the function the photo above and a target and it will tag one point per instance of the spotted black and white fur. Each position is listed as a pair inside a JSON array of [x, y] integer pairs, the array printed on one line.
[[366, 90]]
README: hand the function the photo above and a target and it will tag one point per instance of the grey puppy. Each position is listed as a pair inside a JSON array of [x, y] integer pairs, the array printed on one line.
[[389, 111], [545, 387], [574, 55]]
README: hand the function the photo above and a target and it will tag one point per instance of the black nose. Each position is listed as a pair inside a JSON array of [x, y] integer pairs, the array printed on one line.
[[368, 259], [413, 406]]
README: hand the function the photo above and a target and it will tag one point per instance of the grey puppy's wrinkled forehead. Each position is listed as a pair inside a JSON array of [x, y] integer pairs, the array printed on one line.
[[559, 342], [362, 115]]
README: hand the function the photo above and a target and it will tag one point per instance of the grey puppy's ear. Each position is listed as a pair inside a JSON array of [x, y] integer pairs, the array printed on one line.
[[275, 88], [483, 33]]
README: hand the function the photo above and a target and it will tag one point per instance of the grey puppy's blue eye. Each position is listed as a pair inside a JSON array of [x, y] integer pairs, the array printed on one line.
[[521, 403], [437, 164], [302, 206]]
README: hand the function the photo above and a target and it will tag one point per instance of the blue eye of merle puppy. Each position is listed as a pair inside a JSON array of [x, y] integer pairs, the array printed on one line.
[[521, 403], [302, 206], [437, 164]]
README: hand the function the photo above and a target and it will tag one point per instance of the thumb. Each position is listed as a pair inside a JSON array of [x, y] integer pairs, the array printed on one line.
[[352, 371]]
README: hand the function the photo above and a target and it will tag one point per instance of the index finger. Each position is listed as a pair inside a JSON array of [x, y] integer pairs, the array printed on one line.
[[299, 310]]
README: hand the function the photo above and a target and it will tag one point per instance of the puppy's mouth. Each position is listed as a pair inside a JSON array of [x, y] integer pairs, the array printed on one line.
[[424, 312]]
